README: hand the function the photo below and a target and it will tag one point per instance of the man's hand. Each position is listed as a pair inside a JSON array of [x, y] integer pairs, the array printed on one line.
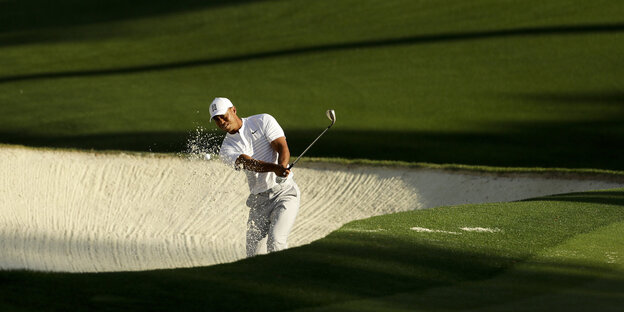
[[281, 171]]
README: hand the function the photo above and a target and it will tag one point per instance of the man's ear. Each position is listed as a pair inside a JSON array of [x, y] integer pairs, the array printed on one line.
[[234, 110]]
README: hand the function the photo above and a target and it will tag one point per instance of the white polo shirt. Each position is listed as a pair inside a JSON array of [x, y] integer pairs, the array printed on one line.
[[254, 139]]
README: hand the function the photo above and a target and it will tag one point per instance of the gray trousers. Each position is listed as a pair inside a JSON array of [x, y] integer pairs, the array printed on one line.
[[271, 217]]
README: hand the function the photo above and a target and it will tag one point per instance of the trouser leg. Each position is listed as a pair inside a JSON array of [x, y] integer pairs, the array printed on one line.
[[283, 215], [271, 218], [257, 225]]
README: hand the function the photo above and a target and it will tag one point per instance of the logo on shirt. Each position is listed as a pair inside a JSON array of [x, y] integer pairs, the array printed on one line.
[[254, 132]]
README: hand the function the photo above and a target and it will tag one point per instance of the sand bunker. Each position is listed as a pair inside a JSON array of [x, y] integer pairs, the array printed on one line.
[[93, 212]]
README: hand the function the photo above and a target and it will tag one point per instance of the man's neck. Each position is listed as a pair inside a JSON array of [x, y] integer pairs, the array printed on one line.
[[240, 125]]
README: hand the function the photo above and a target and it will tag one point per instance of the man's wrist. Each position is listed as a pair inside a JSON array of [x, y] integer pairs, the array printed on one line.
[[278, 168]]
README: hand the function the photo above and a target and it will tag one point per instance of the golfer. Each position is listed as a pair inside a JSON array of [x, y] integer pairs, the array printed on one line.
[[257, 145]]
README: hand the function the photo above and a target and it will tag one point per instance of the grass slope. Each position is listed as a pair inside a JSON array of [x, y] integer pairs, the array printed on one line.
[[488, 82], [558, 253]]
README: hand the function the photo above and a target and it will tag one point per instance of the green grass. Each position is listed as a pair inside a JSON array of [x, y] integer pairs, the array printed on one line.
[[600, 174], [485, 84], [499, 83], [558, 253]]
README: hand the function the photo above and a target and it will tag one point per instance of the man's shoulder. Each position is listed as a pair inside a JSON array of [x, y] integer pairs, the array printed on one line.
[[262, 121], [260, 117]]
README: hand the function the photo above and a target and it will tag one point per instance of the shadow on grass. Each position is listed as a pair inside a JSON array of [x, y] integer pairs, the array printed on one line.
[[341, 268], [421, 39], [602, 197], [24, 15], [531, 144], [590, 143]]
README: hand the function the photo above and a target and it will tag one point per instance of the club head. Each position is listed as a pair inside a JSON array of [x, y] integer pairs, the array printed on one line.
[[331, 114]]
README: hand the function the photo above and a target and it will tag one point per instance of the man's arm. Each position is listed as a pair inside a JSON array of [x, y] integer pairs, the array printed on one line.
[[281, 147], [280, 169]]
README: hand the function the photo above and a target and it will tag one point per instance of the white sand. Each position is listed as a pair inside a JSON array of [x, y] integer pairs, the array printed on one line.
[[466, 229], [90, 212], [480, 230], [426, 230]]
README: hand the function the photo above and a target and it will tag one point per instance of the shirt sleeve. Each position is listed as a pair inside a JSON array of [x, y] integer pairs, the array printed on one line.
[[272, 129]]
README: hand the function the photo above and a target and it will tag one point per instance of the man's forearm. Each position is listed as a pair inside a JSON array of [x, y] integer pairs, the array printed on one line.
[[248, 163], [284, 157], [281, 147]]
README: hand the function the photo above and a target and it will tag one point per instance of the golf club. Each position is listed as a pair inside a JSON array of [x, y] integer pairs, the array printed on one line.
[[331, 114]]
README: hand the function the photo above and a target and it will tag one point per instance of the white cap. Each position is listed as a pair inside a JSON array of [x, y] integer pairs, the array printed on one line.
[[219, 106]]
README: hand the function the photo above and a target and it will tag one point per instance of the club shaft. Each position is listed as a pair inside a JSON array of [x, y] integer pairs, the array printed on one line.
[[318, 137]]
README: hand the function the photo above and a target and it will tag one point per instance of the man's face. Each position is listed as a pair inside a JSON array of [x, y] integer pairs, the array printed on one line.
[[227, 122]]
